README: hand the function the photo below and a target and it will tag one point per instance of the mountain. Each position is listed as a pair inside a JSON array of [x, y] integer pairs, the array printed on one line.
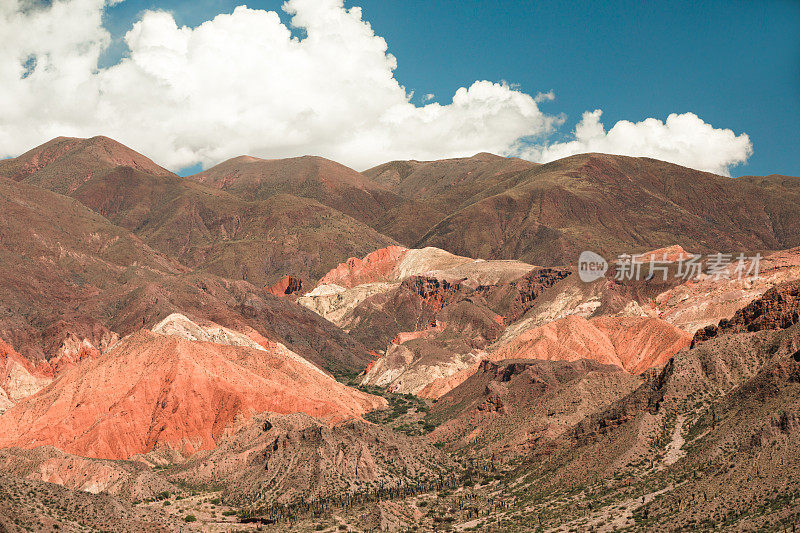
[[435, 189], [433, 317], [275, 214], [316, 178], [292, 345], [203, 227], [333, 185], [69, 276], [65, 163], [215, 231], [428, 312], [446, 181], [616, 204], [155, 392]]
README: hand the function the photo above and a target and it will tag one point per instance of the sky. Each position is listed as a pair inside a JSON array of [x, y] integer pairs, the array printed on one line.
[[712, 85]]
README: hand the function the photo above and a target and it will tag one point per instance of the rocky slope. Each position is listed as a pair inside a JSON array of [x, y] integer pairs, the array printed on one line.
[[413, 284], [128, 480], [451, 312], [507, 406], [778, 308], [708, 439], [287, 459], [634, 344], [698, 303], [428, 311], [18, 378], [27, 505]]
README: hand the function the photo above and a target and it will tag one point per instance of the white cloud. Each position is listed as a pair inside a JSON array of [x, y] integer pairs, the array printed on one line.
[[242, 84], [683, 139]]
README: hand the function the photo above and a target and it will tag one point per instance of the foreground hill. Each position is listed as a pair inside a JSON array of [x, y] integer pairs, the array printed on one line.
[[165, 392], [617, 204], [507, 406], [708, 440], [287, 459], [27, 505]]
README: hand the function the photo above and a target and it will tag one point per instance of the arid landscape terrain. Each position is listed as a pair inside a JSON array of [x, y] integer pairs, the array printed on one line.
[[292, 345]]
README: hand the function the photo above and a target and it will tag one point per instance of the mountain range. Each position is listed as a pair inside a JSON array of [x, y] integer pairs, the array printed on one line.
[[290, 344]]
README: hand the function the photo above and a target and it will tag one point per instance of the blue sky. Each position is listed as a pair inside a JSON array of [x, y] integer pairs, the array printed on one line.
[[736, 64], [711, 85]]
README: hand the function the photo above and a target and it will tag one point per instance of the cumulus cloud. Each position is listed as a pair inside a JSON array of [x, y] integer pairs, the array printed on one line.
[[244, 83], [683, 139]]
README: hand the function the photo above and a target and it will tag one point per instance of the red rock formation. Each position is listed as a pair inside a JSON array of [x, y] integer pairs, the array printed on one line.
[[18, 378], [374, 267], [73, 350], [524, 291], [154, 391], [432, 330], [9, 355], [778, 308], [433, 292], [695, 304], [632, 343], [286, 285]]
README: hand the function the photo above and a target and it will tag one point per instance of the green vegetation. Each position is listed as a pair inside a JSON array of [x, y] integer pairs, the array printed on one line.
[[407, 413]]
